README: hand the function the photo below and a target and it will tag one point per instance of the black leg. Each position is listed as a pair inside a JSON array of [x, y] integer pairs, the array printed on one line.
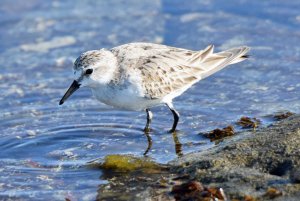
[[149, 118], [175, 115]]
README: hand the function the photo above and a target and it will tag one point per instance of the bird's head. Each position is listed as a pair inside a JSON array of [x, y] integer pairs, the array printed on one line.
[[92, 69]]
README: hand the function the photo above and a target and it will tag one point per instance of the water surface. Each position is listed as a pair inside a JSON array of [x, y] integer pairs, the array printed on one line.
[[45, 147]]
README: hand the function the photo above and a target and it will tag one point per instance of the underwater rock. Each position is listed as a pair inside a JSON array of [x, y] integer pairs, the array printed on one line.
[[127, 163]]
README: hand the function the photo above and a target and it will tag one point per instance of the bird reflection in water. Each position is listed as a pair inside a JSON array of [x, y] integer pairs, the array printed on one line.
[[177, 144], [149, 139]]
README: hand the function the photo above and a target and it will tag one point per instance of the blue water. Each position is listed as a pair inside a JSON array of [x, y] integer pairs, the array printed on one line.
[[45, 147]]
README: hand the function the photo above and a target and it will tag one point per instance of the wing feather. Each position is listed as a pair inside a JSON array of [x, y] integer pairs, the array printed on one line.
[[165, 70]]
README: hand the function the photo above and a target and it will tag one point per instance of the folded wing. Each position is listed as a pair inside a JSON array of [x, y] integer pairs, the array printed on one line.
[[172, 70]]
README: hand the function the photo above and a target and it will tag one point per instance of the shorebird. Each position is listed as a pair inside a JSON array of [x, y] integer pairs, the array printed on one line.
[[139, 76]]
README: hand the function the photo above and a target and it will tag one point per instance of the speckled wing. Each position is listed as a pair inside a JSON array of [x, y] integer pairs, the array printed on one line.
[[169, 71], [165, 70]]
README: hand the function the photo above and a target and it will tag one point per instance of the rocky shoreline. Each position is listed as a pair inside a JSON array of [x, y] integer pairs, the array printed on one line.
[[261, 164]]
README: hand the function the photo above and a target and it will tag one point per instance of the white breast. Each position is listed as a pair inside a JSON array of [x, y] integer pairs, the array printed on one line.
[[128, 98]]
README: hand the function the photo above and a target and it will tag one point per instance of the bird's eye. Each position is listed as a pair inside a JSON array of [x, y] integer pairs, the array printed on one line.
[[89, 71]]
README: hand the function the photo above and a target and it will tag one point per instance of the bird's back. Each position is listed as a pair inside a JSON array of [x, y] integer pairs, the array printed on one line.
[[165, 72]]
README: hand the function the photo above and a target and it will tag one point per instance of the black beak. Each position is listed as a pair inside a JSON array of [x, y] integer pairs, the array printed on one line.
[[74, 86]]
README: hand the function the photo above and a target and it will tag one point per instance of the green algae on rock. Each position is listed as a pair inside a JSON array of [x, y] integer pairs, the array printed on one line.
[[127, 163]]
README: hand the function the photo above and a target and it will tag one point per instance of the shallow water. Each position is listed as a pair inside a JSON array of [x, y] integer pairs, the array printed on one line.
[[45, 147]]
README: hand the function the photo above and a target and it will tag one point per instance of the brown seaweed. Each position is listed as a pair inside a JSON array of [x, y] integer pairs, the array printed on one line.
[[218, 134], [247, 122]]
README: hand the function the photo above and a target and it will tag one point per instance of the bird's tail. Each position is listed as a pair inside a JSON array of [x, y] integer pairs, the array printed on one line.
[[214, 62]]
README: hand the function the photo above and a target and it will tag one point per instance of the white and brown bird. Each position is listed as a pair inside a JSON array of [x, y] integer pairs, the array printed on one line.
[[139, 76]]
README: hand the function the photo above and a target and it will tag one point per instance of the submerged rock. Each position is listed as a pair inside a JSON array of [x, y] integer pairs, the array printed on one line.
[[125, 163], [128, 176]]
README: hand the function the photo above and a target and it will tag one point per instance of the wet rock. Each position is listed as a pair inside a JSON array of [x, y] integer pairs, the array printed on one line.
[[262, 166], [250, 166], [136, 185], [126, 163], [295, 176]]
